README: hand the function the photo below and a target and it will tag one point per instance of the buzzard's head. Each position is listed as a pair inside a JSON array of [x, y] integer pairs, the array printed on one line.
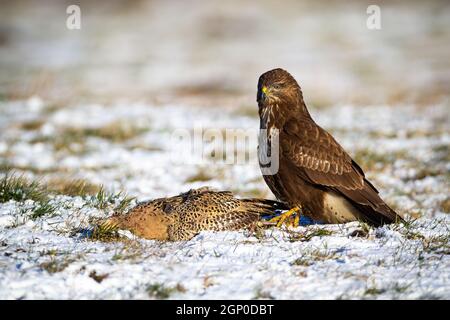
[[277, 86]]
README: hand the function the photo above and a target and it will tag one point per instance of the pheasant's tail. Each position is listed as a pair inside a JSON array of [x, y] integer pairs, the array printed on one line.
[[264, 206], [246, 214]]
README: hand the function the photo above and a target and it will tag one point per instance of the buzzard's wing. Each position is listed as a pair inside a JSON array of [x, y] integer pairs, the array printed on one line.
[[321, 161]]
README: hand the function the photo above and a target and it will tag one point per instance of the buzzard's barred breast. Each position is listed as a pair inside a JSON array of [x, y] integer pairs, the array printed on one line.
[[337, 209]]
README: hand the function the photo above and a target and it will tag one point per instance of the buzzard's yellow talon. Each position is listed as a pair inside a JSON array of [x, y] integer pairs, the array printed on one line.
[[285, 215], [297, 219]]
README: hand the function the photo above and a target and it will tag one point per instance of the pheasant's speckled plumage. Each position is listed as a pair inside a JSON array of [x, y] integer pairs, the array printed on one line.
[[182, 217]]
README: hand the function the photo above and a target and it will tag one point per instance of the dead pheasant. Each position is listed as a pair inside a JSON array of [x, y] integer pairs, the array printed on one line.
[[182, 217]]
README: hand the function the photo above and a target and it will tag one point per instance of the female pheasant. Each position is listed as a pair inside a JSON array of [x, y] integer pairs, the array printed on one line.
[[182, 217]]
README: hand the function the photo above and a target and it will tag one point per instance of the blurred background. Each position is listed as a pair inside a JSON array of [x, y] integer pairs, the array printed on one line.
[[164, 51], [87, 117], [100, 103]]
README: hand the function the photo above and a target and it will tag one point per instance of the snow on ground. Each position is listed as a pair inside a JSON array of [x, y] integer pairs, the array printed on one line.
[[49, 257], [101, 105]]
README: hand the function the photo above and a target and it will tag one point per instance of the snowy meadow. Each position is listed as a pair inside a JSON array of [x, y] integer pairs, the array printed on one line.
[[87, 119]]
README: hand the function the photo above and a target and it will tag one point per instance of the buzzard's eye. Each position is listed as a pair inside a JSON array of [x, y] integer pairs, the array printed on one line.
[[277, 86]]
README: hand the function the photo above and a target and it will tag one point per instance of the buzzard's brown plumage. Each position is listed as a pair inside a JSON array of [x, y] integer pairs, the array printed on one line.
[[182, 217], [314, 172]]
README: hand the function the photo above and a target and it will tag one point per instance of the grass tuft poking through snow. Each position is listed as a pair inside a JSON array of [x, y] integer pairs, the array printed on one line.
[[104, 199], [76, 187], [161, 291], [18, 188]]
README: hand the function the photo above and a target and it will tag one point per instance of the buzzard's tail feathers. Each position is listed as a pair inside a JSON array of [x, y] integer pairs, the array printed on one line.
[[372, 208], [379, 215]]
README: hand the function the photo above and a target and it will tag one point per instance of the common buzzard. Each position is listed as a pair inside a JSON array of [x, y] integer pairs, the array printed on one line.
[[315, 174]]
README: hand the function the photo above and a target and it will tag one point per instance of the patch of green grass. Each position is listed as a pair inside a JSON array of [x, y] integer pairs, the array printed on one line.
[[439, 244], [105, 234], [395, 287], [42, 209], [131, 251], [407, 229], [322, 255], [258, 231], [408, 224], [310, 257], [206, 89], [412, 235], [309, 234], [428, 172], [320, 233], [116, 131], [369, 160], [32, 124], [262, 294], [56, 265], [302, 261], [73, 140], [247, 111], [123, 203], [19, 189], [445, 205], [119, 203], [401, 288], [201, 175], [377, 134], [442, 152], [8, 167], [143, 146], [103, 199], [373, 291], [78, 187], [160, 291], [49, 252]]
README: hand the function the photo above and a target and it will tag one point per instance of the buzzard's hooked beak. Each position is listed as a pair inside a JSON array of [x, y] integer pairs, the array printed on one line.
[[264, 90], [263, 93]]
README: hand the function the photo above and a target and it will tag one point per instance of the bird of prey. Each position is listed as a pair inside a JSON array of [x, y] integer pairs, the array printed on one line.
[[182, 217], [315, 174]]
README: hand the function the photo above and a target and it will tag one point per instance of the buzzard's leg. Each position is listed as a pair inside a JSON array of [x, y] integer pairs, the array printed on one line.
[[297, 219], [282, 217]]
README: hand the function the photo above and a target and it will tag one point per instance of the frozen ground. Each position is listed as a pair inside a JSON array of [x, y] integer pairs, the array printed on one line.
[[48, 257], [100, 105]]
